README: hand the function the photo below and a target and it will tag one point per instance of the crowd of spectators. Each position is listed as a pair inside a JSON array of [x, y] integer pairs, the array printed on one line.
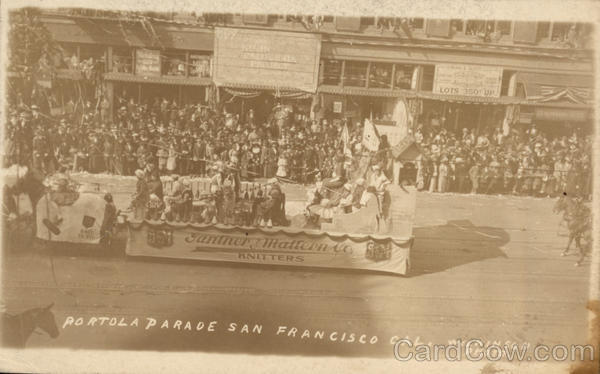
[[178, 139], [192, 140], [522, 161]]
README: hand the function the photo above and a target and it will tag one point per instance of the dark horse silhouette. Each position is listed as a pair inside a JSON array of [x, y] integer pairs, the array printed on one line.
[[16, 329], [31, 184]]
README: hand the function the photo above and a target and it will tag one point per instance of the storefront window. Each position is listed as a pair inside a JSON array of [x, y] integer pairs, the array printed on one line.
[[403, 76], [457, 25], [416, 23], [560, 30], [355, 73], [332, 71], [173, 64], [122, 60], [504, 27], [380, 75], [475, 27], [200, 66], [543, 30]]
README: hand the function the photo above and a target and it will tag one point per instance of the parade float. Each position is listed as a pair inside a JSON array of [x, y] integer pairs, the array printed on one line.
[[59, 209], [360, 223], [372, 230], [362, 239]]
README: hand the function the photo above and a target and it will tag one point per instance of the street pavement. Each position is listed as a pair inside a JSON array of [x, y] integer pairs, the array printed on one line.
[[485, 267]]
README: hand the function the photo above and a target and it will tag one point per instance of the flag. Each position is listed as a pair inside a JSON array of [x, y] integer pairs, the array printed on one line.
[[346, 141], [370, 138]]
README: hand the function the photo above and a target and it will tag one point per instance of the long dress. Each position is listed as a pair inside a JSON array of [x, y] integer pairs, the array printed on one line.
[[172, 159]]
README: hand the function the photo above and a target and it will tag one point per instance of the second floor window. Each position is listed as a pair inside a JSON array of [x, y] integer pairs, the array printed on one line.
[[380, 75], [122, 60], [403, 76], [355, 73], [173, 64], [332, 72], [200, 66]]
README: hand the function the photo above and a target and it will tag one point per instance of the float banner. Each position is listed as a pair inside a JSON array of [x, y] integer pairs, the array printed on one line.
[[370, 137], [467, 80], [269, 246], [70, 217], [258, 59]]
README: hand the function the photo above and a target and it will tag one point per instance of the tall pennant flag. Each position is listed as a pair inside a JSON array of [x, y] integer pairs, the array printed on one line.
[[346, 141], [370, 138]]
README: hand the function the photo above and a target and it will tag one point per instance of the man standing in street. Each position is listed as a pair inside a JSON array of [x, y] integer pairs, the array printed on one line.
[[109, 221]]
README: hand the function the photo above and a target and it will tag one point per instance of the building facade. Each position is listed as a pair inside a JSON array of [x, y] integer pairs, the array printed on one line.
[[395, 71]]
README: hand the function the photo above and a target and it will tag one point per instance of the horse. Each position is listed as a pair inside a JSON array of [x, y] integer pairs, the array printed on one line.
[[16, 329], [579, 223], [32, 185]]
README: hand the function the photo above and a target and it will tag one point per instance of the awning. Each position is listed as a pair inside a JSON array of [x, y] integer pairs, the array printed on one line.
[[502, 100], [360, 91], [128, 34], [184, 81], [252, 91], [546, 88]]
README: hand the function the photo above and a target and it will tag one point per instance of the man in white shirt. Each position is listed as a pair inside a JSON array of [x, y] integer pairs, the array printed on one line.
[[378, 182]]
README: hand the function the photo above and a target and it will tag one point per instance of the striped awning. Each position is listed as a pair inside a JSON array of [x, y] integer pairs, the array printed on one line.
[[184, 81], [250, 86], [360, 91], [502, 100]]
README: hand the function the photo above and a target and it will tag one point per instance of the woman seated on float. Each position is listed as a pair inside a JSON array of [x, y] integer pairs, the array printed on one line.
[[348, 200]]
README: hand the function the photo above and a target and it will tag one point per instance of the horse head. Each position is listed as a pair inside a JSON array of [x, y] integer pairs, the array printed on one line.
[[46, 321]]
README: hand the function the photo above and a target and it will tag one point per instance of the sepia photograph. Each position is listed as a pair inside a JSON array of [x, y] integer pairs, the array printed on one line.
[[288, 190]]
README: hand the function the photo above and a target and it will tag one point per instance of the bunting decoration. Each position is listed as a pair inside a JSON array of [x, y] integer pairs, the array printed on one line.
[[554, 93]]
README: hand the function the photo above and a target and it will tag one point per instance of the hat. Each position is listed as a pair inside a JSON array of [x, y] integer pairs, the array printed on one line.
[[376, 167], [272, 181], [34, 107]]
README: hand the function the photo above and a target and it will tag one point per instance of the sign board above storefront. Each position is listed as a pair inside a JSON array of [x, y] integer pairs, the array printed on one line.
[[257, 58], [147, 62], [467, 80], [561, 115]]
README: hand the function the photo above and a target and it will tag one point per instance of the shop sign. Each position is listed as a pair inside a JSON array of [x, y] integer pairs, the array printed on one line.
[[266, 58], [467, 80], [147, 62], [561, 115], [337, 107]]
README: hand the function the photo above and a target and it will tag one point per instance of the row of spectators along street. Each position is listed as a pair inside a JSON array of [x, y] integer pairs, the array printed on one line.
[[191, 139]]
